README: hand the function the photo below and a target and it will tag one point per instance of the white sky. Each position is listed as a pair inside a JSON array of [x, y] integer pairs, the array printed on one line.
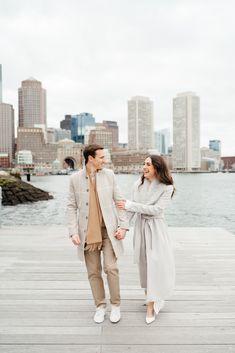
[[92, 56]]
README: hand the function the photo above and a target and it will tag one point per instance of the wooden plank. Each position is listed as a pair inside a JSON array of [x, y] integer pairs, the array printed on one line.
[[78, 348], [46, 303]]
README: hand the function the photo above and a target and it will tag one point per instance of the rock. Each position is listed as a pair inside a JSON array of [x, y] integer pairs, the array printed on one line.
[[3, 173], [15, 191]]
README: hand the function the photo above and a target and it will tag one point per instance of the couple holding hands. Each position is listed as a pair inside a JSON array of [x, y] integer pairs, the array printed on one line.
[[99, 217]]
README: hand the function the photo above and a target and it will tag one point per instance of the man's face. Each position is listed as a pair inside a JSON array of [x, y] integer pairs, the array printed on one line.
[[99, 160]]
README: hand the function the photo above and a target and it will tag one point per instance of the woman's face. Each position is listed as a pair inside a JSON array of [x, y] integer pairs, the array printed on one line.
[[148, 169]]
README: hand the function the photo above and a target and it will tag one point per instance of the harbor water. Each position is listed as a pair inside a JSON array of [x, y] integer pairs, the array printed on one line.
[[200, 200]]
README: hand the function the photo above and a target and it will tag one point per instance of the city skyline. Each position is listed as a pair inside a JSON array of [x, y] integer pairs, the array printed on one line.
[[160, 50]]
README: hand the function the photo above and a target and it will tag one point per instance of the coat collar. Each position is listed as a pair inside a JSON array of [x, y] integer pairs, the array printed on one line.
[[84, 172]]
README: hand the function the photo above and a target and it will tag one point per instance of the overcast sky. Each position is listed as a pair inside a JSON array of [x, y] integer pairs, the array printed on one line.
[[92, 56]]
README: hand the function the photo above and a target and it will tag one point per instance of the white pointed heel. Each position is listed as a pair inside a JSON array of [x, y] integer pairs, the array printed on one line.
[[150, 319]]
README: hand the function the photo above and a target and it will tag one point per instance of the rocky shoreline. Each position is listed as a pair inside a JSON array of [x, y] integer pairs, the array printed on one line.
[[15, 191]]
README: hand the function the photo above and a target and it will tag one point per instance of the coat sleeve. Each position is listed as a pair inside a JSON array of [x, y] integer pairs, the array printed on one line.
[[72, 210], [151, 210], [122, 214]]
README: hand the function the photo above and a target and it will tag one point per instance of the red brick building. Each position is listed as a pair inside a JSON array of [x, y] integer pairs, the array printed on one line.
[[4, 161], [229, 162]]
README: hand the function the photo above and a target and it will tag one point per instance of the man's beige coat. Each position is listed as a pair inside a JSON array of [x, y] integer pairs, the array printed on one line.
[[78, 207]]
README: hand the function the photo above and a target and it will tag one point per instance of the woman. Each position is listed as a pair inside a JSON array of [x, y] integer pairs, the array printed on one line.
[[152, 244]]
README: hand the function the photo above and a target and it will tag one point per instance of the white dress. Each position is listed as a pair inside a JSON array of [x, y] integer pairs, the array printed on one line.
[[152, 245]]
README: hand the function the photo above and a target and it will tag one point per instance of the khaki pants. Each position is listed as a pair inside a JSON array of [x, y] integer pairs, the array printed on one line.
[[94, 270]]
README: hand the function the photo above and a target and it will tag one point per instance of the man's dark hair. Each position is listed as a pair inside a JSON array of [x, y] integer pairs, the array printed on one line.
[[90, 150]]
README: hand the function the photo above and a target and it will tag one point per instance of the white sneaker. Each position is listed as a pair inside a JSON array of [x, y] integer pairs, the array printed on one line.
[[115, 315], [99, 314]]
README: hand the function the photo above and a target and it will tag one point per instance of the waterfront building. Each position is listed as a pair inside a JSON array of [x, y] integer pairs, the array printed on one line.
[[69, 154], [186, 132], [33, 139], [24, 157], [128, 161], [4, 160], [228, 162], [208, 152], [162, 140], [7, 130], [113, 127], [210, 160], [132, 161], [32, 103], [140, 123]]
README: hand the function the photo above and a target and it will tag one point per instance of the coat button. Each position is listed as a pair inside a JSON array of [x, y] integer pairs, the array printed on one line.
[[87, 203], [86, 217], [87, 190]]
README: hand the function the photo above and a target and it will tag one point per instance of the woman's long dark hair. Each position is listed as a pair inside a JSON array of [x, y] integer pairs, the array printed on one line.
[[162, 171]]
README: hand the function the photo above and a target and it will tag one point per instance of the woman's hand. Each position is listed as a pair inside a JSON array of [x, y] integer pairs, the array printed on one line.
[[121, 204]]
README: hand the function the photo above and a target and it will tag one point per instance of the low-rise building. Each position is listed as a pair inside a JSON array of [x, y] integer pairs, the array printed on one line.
[[4, 161]]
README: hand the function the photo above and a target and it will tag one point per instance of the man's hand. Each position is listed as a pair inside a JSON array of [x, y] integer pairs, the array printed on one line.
[[120, 233], [76, 239]]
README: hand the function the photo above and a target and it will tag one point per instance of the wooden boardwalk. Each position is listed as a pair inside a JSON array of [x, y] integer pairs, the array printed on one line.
[[46, 304]]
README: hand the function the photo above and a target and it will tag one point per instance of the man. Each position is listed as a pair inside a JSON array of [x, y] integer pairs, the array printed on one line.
[[95, 226]]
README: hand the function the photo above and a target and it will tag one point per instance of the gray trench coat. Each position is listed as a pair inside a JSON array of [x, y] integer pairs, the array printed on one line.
[[152, 243]]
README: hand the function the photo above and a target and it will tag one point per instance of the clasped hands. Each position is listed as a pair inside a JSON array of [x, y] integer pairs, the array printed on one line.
[[119, 234]]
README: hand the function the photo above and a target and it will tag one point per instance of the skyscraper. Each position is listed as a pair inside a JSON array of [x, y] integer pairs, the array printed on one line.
[[32, 103], [140, 123], [7, 130], [81, 124], [186, 132], [7, 126], [0, 83]]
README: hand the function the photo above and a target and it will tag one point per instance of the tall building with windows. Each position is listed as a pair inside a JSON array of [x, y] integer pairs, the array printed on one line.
[[140, 123], [7, 130], [186, 132], [101, 136], [113, 127], [0, 83], [81, 124], [32, 103], [7, 127]]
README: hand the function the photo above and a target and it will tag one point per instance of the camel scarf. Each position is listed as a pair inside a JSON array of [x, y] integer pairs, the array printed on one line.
[[94, 235]]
